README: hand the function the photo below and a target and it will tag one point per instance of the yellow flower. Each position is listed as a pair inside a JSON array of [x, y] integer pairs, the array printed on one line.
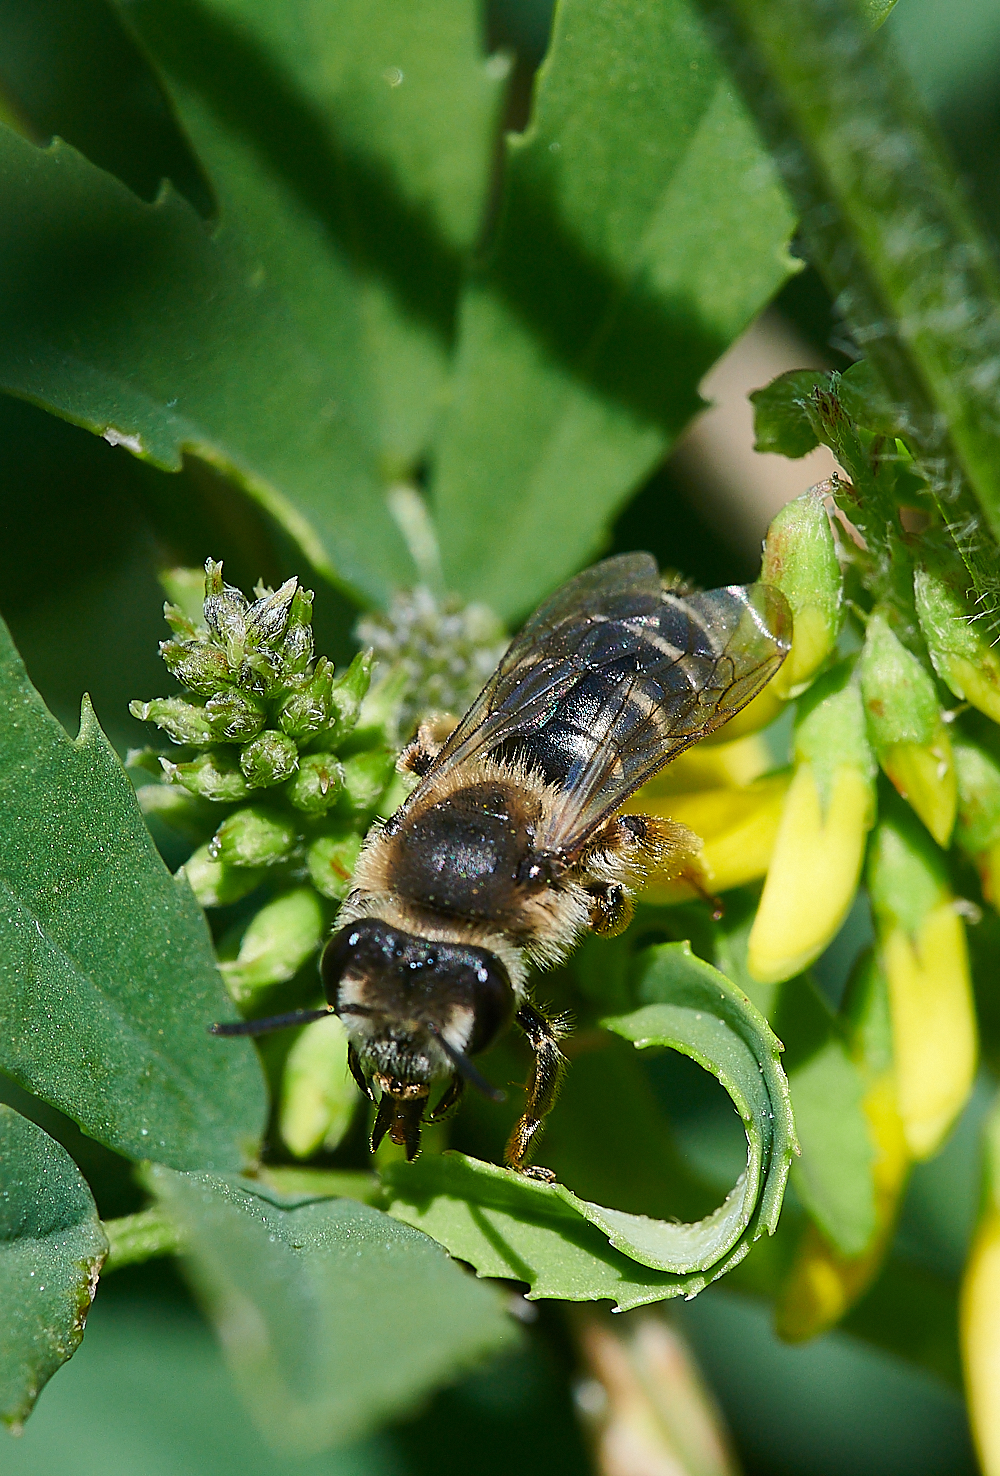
[[979, 1312], [921, 941], [318, 1095], [819, 848]]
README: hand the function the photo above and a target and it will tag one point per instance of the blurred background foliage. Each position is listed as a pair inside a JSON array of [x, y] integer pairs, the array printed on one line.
[[87, 527]]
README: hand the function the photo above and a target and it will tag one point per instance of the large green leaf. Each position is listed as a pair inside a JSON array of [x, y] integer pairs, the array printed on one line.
[[642, 227], [565, 1246], [51, 1250], [107, 980], [332, 1316], [300, 344], [376, 120]]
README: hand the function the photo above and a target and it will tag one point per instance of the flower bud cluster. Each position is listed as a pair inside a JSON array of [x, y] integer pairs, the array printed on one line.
[[277, 766]]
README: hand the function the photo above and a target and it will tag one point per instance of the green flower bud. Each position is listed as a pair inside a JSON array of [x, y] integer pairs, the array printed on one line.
[[185, 589], [213, 775], [254, 836], [317, 784], [180, 623], [366, 776], [318, 1094], [267, 617], [200, 666], [977, 764], [963, 656], [269, 759], [331, 860], [800, 559], [235, 716], [349, 691], [276, 944], [216, 884], [183, 812], [226, 614], [907, 731], [183, 722], [307, 708]]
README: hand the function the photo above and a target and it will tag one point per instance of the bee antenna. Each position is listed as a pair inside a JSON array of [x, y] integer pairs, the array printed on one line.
[[464, 1066], [268, 1023]]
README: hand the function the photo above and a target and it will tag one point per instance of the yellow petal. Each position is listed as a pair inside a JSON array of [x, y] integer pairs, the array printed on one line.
[[924, 774], [738, 827], [980, 1324], [704, 767], [813, 873], [933, 1025], [979, 685]]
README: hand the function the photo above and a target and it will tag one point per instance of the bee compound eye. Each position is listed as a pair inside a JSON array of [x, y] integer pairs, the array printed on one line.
[[492, 1001], [363, 943]]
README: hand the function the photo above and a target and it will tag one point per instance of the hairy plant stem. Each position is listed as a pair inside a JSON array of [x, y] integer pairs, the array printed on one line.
[[883, 222], [139, 1237]]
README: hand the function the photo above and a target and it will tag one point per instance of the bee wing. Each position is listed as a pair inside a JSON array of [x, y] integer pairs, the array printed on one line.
[[697, 661], [547, 658], [614, 676]]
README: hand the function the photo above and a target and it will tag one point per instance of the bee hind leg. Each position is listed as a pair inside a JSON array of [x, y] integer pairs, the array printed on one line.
[[543, 1089], [421, 751]]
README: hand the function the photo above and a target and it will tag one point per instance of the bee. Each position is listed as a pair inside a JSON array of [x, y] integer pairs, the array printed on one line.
[[513, 843]]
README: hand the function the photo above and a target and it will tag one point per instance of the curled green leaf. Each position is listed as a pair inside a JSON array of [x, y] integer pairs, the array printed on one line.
[[563, 1246]]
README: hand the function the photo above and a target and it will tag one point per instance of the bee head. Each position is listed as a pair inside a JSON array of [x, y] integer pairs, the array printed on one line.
[[415, 1009]]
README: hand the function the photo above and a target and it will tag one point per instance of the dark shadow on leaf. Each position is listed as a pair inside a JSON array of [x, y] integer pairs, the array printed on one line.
[[630, 344]]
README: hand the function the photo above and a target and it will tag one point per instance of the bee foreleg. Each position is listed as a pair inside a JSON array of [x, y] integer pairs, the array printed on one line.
[[543, 1089], [420, 753], [354, 1066], [448, 1099]]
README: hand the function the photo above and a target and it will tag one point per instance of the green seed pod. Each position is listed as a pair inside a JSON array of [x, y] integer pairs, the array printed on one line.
[[318, 1094], [254, 836], [297, 646], [183, 722], [212, 775], [235, 716], [348, 693], [331, 859], [906, 728], [269, 759], [276, 944], [963, 655], [216, 884], [366, 776], [317, 784], [800, 559], [200, 666], [308, 708]]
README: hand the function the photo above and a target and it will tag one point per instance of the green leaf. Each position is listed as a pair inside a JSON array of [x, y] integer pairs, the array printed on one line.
[[511, 1226], [833, 1177], [642, 227], [51, 1251], [332, 1316], [300, 346], [781, 420], [107, 979], [377, 123]]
